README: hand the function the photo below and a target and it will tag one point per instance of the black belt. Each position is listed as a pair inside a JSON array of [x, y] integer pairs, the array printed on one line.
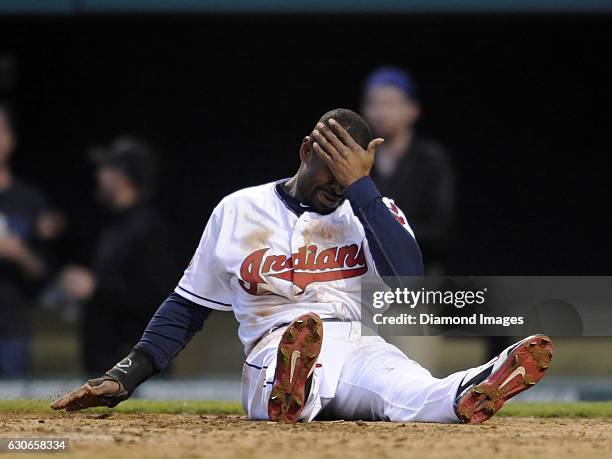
[[273, 329]]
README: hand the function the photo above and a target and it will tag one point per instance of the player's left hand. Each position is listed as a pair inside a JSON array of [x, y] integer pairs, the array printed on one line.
[[104, 391], [346, 159]]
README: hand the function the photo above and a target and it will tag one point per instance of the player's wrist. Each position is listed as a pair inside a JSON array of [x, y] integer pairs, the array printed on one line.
[[350, 181], [133, 370], [362, 192]]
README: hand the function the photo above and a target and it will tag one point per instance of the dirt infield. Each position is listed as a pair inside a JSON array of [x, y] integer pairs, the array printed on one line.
[[165, 435]]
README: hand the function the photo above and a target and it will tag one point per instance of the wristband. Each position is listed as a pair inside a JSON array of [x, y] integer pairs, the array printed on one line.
[[133, 370]]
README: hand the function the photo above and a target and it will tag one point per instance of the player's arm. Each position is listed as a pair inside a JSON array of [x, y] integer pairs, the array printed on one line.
[[391, 241], [174, 324]]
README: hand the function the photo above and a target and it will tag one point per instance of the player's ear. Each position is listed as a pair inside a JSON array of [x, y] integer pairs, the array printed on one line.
[[305, 148]]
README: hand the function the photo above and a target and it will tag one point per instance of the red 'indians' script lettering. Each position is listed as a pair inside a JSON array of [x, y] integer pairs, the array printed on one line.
[[304, 267]]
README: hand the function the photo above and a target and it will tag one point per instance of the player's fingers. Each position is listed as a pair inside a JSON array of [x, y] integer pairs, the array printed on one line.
[[86, 400], [69, 398], [343, 134], [82, 403], [332, 138], [324, 143], [374, 144], [59, 404], [324, 155]]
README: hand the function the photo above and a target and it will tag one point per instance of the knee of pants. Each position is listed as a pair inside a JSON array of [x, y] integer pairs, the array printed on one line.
[[428, 400]]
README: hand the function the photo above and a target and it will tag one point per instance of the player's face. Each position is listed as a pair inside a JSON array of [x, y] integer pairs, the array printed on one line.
[[318, 185], [388, 110]]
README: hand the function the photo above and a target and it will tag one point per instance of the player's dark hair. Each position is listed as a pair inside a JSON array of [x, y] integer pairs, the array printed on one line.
[[356, 126]]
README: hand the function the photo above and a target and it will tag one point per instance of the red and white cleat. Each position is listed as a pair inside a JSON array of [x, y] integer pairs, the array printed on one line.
[[485, 389], [298, 352]]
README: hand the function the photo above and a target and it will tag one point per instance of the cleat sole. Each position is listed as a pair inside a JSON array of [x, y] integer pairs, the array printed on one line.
[[299, 346], [532, 358]]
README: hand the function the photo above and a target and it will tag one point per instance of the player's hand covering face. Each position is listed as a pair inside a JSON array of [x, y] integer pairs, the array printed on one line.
[[345, 158], [331, 161]]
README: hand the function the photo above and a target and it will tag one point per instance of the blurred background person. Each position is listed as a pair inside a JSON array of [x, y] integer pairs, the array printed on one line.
[[132, 268], [418, 175], [26, 223], [416, 172]]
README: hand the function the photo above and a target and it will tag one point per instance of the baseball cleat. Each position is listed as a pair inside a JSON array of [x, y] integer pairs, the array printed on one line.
[[298, 352], [485, 389]]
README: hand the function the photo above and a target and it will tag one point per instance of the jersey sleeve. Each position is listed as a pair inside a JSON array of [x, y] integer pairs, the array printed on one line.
[[205, 281], [398, 214], [391, 241]]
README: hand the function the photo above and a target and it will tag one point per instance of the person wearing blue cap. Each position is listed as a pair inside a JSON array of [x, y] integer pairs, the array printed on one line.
[[415, 172]]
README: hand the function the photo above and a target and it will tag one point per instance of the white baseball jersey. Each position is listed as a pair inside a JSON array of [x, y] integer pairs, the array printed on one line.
[[268, 265]]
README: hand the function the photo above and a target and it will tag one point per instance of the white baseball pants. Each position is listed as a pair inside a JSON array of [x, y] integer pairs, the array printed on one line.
[[357, 377]]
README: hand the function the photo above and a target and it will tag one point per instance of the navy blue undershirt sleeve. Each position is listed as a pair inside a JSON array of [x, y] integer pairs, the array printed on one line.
[[394, 249], [176, 321]]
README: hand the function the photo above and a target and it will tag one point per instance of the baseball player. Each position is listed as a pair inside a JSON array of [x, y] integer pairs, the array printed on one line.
[[288, 259]]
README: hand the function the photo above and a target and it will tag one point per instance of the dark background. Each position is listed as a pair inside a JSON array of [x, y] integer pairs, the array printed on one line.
[[523, 102]]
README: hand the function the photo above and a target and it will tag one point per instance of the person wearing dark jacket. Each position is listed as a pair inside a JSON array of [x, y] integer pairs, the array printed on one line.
[[27, 226], [416, 172], [132, 264]]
